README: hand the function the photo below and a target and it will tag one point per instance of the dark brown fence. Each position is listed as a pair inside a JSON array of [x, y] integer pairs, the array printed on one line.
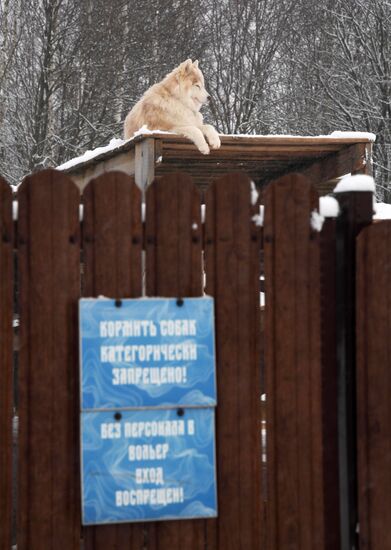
[[6, 376], [307, 498], [374, 385]]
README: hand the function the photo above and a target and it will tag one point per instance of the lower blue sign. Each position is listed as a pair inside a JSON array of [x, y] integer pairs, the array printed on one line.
[[148, 465]]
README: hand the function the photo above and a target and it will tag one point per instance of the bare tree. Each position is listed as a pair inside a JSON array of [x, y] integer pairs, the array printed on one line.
[[34, 79], [78, 67], [338, 77], [70, 70], [244, 40]]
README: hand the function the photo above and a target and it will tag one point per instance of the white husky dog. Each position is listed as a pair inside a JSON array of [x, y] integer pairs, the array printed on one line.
[[173, 105]]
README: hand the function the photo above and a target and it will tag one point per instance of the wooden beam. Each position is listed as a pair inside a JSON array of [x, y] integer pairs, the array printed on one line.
[[353, 159], [123, 162]]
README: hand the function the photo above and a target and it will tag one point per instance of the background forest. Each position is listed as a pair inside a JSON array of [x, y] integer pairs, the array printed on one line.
[[70, 70]]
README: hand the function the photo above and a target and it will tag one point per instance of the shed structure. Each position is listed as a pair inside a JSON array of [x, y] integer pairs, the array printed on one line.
[[322, 159]]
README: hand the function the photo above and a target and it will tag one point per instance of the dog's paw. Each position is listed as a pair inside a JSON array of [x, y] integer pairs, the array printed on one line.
[[203, 148], [214, 141], [212, 136]]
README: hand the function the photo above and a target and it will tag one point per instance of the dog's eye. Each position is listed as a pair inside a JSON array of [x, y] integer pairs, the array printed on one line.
[[197, 86]]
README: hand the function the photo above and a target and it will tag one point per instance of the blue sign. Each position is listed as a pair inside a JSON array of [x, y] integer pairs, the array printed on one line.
[[150, 352], [148, 465], [147, 423]]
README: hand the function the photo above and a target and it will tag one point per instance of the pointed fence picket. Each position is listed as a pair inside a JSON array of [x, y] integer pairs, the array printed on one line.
[[173, 246], [293, 367], [112, 244], [232, 265], [48, 243]]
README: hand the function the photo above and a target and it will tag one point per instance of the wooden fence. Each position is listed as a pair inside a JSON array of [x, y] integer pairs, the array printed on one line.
[[312, 495]]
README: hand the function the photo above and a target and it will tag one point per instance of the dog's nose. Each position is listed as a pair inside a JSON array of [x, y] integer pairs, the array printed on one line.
[[207, 97]]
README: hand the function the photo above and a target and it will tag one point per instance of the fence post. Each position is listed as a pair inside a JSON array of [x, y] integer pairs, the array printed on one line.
[[328, 306], [356, 211], [6, 401]]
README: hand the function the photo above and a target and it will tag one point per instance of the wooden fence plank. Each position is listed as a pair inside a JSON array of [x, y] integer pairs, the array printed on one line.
[[6, 385], [328, 279], [374, 385], [293, 368], [232, 251], [48, 248], [356, 210], [112, 243], [173, 246], [173, 260]]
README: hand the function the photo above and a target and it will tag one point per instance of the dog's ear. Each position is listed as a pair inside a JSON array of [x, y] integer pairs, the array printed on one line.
[[195, 64], [186, 66]]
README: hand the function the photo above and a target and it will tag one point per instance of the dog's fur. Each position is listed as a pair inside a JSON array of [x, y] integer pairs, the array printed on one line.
[[173, 105]]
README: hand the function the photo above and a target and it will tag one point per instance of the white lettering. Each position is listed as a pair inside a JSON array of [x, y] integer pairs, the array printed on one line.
[[178, 327], [154, 428], [110, 430], [149, 475], [148, 452], [145, 497], [127, 328], [148, 376]]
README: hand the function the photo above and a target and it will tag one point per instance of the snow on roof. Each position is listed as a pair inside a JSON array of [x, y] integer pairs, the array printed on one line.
[[88, 155], [117, 144], [354, 135], [114, 144], [355, 183], [367, 136]]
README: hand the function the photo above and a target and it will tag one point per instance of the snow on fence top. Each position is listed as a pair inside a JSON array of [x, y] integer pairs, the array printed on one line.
[[382, 211], [328, 207], [357, 182]]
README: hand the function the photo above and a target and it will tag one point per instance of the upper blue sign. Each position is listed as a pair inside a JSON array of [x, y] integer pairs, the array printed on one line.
[[147, 352]]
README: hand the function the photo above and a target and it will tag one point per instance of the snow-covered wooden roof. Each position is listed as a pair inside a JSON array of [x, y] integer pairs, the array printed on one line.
[[264, 158]]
